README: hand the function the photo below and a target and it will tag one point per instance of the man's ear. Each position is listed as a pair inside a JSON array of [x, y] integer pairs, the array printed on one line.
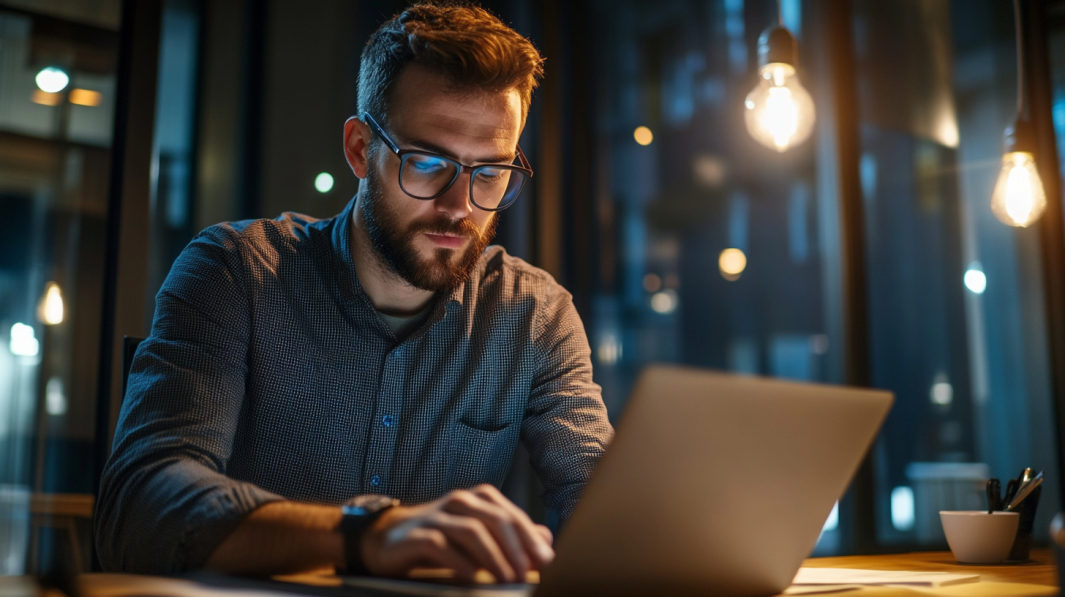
[[357, 136]]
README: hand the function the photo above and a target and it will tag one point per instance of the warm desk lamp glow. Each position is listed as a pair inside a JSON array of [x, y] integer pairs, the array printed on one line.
[[779, 112], [1018, 198]]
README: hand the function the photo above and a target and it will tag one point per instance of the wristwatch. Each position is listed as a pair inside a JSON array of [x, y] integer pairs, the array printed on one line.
[[358, 515]]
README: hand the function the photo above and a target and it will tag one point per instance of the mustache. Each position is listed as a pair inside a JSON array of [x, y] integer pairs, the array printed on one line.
[[463, 227]]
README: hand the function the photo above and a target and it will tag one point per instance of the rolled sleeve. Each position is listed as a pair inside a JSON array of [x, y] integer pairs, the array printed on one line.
[[165, 501], [566, 428]]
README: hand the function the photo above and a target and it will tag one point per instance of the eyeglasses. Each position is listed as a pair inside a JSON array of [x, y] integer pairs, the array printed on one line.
[[424, 175]]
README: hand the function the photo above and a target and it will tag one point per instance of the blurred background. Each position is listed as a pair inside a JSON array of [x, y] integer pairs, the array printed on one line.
[[866, 255]]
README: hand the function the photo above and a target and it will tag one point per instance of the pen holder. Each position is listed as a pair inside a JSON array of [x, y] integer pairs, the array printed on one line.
[[1026, 509]]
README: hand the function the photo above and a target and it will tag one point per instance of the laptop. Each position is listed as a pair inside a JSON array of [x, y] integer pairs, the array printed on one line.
[[715, 484]]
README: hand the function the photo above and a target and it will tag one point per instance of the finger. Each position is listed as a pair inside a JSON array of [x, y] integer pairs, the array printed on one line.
[[472, 537], [534, 540], [500, 524], [546, 534]]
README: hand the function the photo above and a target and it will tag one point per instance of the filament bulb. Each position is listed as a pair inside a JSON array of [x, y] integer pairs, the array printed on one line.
[[779, 111], [1019, 198]]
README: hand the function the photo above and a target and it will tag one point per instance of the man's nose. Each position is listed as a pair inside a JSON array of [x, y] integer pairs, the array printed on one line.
[[455, 202]]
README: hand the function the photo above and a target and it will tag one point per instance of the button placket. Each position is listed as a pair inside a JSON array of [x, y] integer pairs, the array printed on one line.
[[386, 421]]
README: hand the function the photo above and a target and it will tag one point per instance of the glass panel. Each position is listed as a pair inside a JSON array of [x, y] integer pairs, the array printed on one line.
[[172, 205], [718, 251], [957, 323], [55, 134], [1056, 37]]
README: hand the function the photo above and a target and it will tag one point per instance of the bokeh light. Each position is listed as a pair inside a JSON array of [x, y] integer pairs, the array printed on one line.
[[975, 280], [323, 182], [732, 262], [643, 135], [52, 80]]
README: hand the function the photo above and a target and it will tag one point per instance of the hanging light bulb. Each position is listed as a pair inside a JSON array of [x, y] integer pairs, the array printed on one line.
[[50, 308], [779, 111], [1018, 198]]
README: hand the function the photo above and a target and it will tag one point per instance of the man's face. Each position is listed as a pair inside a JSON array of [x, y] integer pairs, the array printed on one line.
[[434, 244]]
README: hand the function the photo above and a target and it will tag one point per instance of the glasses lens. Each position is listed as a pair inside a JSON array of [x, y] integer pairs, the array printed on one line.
[[425, 176], [496, 188]]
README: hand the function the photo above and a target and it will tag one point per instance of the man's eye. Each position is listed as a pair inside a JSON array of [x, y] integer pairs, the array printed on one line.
[[428, 165], [490, 175]]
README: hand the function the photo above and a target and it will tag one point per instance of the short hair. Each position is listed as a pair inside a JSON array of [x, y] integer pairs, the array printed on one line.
[[465, 43]]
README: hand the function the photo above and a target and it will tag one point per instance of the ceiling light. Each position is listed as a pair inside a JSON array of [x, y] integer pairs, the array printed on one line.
[[779, 112], [1019, 199]]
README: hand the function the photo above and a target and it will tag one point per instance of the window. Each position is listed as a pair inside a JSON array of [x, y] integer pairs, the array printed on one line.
[[722, 253], [57, 97]]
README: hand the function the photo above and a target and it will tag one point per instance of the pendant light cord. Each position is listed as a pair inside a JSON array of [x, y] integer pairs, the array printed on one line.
[[780, 12], [1022, 108]]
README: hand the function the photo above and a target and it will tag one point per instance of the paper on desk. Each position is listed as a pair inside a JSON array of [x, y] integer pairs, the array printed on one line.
[[850, 576], [818, 589]]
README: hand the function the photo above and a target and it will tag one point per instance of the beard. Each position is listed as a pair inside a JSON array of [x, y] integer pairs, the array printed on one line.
[[395, 248]]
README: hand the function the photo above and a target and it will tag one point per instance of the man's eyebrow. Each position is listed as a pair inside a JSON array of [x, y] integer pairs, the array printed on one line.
[[434, 148]]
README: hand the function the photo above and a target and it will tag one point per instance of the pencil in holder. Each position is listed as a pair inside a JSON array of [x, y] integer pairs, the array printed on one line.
[[1022, 545]]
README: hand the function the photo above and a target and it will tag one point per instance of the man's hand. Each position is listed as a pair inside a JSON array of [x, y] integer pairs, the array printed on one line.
[[464, 531]]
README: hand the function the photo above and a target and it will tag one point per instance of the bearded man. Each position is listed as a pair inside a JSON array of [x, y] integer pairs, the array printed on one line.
[[350, 392]]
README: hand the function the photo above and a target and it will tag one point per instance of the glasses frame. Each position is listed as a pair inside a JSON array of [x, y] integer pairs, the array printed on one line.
[[404, 154]]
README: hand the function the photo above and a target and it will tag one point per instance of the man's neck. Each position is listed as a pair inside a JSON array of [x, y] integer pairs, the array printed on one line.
[[387, 291]]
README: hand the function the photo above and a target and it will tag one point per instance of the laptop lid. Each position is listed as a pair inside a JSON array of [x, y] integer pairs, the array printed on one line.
[[715, 484]]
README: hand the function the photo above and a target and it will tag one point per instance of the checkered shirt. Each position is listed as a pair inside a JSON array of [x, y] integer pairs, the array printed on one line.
[[268, 375]]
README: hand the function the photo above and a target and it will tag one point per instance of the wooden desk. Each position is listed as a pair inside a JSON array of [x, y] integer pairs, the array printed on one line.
[[1029, 580], [1040, 577]]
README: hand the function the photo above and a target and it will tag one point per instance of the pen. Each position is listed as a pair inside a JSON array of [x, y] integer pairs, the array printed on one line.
[[994, 495], [1011, 490], [1025, 490]]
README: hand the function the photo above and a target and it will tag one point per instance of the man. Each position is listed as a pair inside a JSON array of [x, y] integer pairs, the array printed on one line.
[[296, 365]]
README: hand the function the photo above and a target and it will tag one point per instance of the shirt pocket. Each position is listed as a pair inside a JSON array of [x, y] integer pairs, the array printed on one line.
[[477, 456]]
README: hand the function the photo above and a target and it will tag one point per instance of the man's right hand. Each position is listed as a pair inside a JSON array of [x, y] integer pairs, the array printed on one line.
[[464, 531]]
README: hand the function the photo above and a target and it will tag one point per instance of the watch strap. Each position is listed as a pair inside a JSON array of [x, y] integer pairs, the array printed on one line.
[[353, 524]]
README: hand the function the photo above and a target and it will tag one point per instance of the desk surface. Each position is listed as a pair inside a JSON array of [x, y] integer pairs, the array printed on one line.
[[1038, 578], [1041, 571]]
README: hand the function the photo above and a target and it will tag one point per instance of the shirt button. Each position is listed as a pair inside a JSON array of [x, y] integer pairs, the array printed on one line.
[[387, 420], [375, 480]]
